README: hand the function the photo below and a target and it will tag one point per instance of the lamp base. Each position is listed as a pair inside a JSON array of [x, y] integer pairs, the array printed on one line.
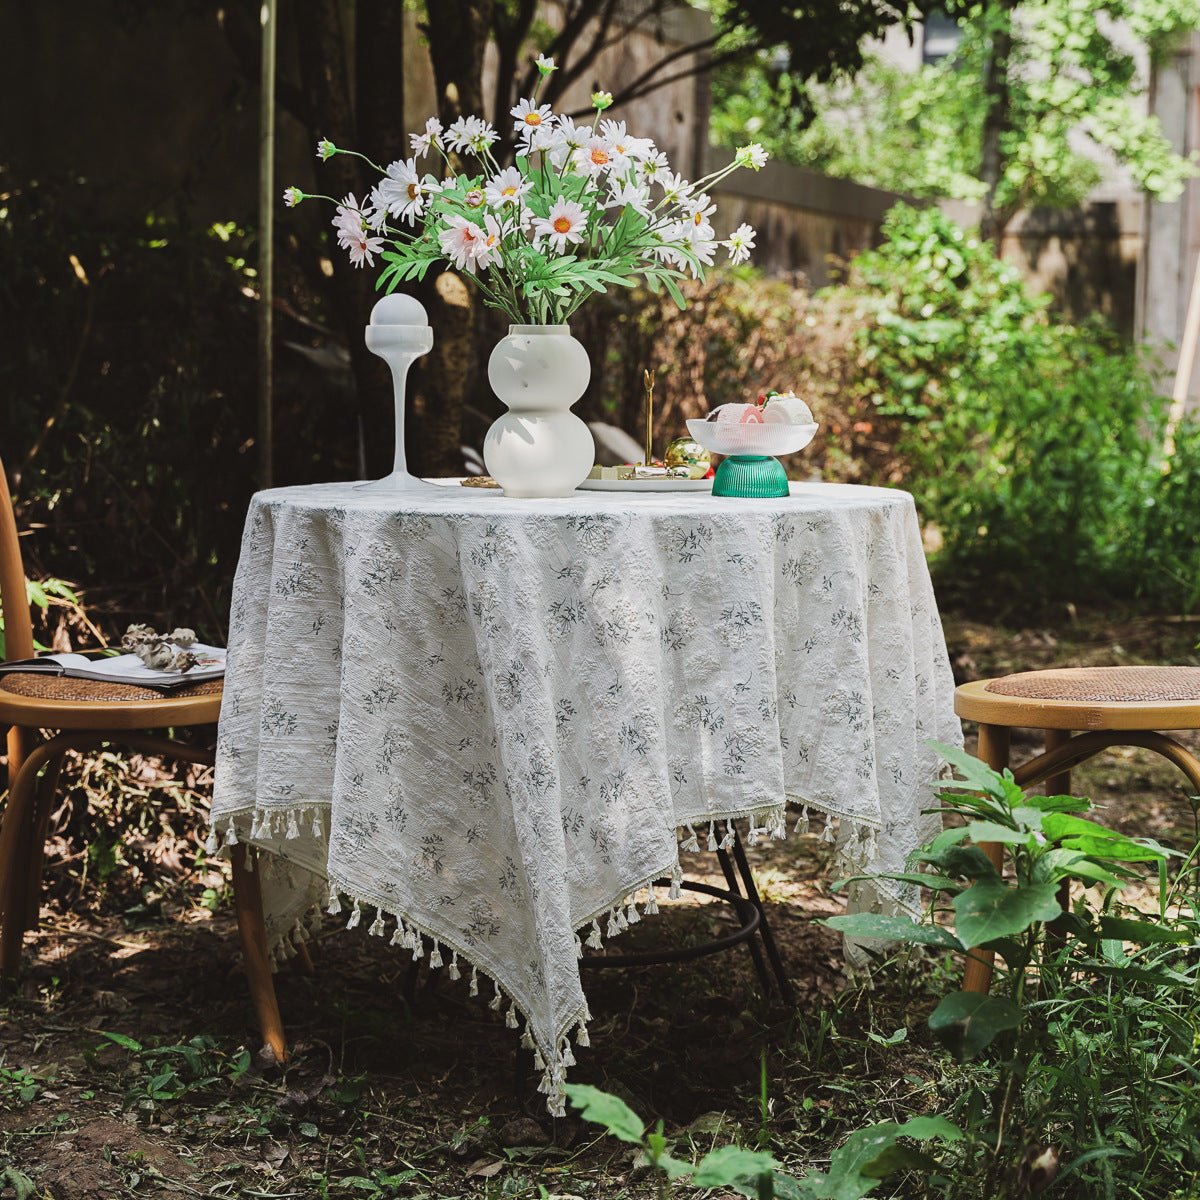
[[395, 483], [751, 477]]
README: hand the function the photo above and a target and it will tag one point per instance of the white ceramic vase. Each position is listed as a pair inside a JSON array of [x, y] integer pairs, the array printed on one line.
[[539, 448]]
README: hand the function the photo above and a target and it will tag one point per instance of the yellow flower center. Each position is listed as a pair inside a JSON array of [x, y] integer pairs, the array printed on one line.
[[413, 191], [562, 225], [599, 156], [510, 191], [698, 219], [533, 118]]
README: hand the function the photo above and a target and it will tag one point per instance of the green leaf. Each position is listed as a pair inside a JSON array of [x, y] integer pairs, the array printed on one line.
[[869, 1154], [892, 929], [968, 862], [603, 1108], [728, 1165], [1064, 804], [989, 831], [967, 1022], [991, 909], [122, 1040], [1118, 849], [1145, 933], [973, 771]]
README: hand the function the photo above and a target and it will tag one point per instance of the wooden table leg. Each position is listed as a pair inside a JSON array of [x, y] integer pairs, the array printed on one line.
[[252, 929], [1059, 785], [14, 874], [993, 749]]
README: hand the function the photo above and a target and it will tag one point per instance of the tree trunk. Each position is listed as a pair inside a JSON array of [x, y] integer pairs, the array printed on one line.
[[457, 31], [326, 82], [997, 93]]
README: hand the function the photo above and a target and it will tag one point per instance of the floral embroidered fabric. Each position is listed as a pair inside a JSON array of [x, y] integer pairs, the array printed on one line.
[[480, 722]]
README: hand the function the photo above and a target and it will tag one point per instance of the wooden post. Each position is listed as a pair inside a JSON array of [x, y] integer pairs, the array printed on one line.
[[993, 749]]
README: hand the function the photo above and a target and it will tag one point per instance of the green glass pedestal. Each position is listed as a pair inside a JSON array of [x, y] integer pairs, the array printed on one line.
[[750, 476]]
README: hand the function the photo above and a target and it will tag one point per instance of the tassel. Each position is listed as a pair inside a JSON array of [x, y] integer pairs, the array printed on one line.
[[676, 883], [249, 860], [318, 830], [827, 832], [231, 835], [690, 843], [567, 1057], [293, 825], [539, 1063], [473, 990], [594, 940], [510, 1018], [453, 970], [399, 937], [376, 929], [556, 1105], [418, 946], [872, 847], [651, 905], [581, 1036], [729, 838], [712, 835], [632, 916], [495, 1002], [578, 946], [212, 845], [435, 959], [802, 822], [527, 1038], [355, 916], [613, 928]]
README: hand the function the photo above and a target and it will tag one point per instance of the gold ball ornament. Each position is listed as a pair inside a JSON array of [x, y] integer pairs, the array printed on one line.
[[683, 452]]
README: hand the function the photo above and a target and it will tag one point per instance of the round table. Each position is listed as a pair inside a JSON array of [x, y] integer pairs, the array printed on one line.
[[484, 725]]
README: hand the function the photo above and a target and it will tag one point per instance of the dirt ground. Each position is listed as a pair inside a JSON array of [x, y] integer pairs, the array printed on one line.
[[128, 1062]]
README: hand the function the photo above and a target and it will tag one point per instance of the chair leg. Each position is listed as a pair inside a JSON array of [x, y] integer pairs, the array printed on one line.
[[1059, 785], [760, 966], [15, 834], [993, 749], [40, 830], [252, 929], [764, 929]]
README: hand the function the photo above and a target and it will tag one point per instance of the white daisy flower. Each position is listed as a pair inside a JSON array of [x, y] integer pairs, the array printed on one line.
[[752, 156], [487, 247], [676, 189], [633, 195], [703, 246], [624, 147], [545, 65], [459, 242], [528, 115], [740, 243], [594, 157], [699, 209], [292, 196], [470, 133], [363, 249], [653, 167], [482, 136], [348, 221], [507, 188], [403, 192], [565, 138], [422, 142], [565, 223]]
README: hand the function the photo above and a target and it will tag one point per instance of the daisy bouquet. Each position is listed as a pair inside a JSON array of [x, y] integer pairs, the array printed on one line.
[[583, 208]]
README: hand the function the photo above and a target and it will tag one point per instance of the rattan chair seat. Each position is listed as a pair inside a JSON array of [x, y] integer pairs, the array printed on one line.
[[1103, 685], [65, 688]]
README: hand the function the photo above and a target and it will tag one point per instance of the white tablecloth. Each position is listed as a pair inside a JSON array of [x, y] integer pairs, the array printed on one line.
[[485, 725]]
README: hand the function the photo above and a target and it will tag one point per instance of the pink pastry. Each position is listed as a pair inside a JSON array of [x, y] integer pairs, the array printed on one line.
[[743, 414]]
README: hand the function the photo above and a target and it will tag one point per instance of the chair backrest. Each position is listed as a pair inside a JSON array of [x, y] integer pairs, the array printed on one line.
[[14, 603]]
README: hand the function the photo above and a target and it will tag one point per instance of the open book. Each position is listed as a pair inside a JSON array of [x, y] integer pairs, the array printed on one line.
[[123, 668]]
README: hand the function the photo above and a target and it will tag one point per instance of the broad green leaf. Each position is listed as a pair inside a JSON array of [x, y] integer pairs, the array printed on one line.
[[867, 1155], [1118, 849], [989, 831], [972, 771], [1059, 864], [729, 1165], [991, 909], [968, 861], [967, 1022], [892, 929], [603, 1108], [1065, 804], [1144, 933]]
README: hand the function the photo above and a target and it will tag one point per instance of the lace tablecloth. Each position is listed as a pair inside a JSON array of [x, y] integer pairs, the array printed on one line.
[[487, 725]]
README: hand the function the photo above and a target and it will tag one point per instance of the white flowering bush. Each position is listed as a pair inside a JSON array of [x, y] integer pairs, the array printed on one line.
[[585, 207]]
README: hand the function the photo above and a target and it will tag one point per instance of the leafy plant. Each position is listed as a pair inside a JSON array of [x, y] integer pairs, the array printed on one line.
[[855, 1169], [1078, 971]]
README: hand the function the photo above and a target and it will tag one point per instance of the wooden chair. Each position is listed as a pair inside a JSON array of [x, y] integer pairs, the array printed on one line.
[[1082, 712], [80, 714]]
